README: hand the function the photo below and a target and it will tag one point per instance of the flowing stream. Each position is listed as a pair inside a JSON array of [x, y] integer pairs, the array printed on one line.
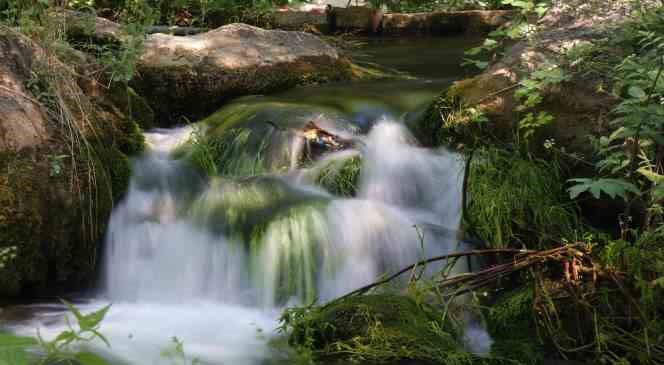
[[214, 260]]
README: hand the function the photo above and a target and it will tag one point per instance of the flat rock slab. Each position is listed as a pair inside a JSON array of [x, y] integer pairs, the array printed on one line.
[[234, 46], [472, 21], [192, 76]]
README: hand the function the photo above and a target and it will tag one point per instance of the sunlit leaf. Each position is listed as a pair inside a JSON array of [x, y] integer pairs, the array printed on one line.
[[611, 187], [651, 175], [92, 320], [636, 92]]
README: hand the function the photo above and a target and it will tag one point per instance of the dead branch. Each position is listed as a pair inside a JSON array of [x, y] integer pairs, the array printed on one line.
[[366, 288]]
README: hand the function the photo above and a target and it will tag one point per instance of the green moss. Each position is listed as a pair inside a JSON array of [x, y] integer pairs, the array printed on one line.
[[516, 201], [118, 169], [184, 93], [510, 322], [54, 251], [376, 329], [130, 139], [449, 122], [429, 128]]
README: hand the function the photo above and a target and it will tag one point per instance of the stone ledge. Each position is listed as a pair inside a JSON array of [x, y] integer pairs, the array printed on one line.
[[354, 19]]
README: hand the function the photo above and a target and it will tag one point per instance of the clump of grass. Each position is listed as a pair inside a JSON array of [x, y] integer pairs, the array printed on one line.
[[341, 180], [235, 152], [376, 329], [517, 201]]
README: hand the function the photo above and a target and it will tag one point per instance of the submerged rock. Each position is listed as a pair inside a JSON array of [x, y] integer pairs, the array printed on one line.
[[191, 76], [63, 157]]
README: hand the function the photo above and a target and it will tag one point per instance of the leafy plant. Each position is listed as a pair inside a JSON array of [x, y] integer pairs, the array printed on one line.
[[176, 354], [15, 350], [7, 254], [611, 187], [55, 161], [632, 155]]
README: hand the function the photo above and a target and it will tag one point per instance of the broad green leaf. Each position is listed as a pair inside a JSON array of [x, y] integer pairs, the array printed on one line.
[[92, 320], [490, 43], [612, 187], [658, 191], [651, 175], [636, 92], [79, 316], [89, 358], [65, 338], [474, 51]]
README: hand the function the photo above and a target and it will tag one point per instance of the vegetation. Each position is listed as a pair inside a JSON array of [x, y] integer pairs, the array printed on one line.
[[525, 189], [375, 329], [516, 201], [16, 350], [519, 174]]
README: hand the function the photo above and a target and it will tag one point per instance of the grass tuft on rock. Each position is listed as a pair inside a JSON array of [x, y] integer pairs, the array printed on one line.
[[375, 329]]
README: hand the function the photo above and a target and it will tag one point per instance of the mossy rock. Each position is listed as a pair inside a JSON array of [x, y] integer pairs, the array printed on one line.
[[511, 324], [377, 329], [342, 180], [55, 225], [56, 196], [134, 106], [180, 93]]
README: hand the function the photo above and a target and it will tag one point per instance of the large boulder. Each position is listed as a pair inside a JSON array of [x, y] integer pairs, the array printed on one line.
[[63, 161], [192, 76], [23, 123]]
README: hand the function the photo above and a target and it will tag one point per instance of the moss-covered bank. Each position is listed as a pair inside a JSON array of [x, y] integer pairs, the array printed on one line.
[[56, 196]]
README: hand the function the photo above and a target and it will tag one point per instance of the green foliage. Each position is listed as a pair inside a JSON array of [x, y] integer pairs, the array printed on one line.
[[375, 329], [56, 164], [408, 6], [176, 355], [511, 324], [16, 350], [516, 201], [631, 161], [236, 152], [341, 180], [611, 187], [6, 254], [521, 27]]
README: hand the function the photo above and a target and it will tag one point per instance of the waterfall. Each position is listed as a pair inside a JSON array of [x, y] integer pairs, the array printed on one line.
[[213, 260], [265, 240]]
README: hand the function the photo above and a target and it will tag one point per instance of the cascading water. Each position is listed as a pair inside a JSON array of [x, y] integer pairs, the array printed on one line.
[[213, 260]]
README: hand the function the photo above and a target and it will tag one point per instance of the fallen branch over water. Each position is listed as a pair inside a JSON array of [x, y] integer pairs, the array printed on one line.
[[472, 281]]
